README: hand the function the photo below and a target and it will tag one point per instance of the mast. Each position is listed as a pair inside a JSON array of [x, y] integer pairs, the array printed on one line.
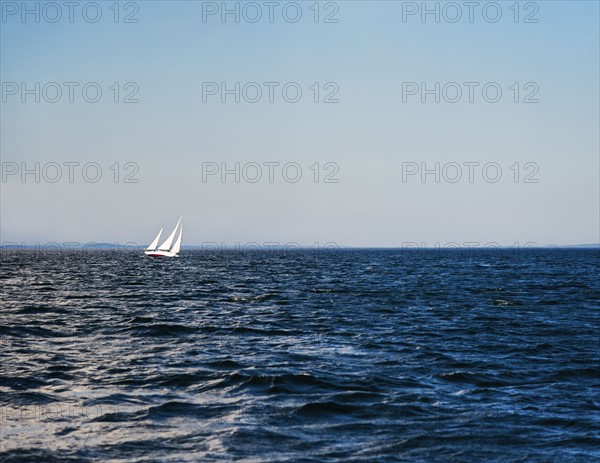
[[177, 246], [166, 246]]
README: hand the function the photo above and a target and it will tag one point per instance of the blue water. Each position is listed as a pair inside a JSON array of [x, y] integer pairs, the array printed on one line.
[[331, 356]]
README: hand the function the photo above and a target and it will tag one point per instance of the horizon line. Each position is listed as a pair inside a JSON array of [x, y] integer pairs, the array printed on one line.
[[290, 246]]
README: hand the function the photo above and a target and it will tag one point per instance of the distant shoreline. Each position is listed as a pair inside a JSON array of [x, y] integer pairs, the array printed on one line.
[[255, 247]]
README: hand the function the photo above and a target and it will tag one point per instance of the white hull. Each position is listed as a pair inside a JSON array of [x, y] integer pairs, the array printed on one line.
[[160, 254]]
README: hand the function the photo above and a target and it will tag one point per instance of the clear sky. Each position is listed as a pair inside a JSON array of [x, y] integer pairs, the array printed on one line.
[[375, 136]]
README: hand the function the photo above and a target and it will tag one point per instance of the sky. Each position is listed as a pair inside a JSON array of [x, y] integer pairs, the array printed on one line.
[[363, 155]]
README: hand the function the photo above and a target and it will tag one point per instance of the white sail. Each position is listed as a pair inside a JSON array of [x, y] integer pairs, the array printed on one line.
[[177, 246], [166, 246], [152, 246], [171, 246]]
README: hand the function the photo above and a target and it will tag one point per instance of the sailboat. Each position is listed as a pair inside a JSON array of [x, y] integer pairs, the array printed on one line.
[[170, 247]]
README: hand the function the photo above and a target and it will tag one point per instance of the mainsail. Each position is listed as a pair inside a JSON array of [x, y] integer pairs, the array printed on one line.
[[166, 246]]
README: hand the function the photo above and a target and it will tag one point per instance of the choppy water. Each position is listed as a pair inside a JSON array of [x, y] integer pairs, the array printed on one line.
[[271, 356]]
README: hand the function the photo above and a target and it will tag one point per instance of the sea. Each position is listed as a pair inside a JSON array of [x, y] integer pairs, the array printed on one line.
[[355, 355]]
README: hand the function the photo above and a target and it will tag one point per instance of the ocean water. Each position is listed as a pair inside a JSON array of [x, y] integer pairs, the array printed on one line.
[[331, 356]]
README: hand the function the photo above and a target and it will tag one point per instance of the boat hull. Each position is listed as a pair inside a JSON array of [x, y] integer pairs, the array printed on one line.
[[158, 253]]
